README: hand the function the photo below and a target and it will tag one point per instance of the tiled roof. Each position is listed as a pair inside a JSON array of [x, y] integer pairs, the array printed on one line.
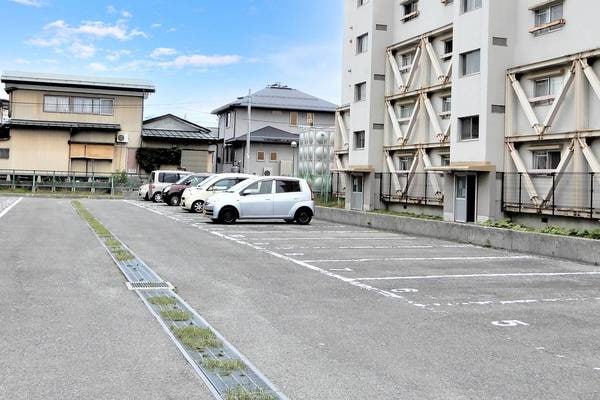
[[268, 134], [75, 80], [283, 98], [59, 124], [177, 134]]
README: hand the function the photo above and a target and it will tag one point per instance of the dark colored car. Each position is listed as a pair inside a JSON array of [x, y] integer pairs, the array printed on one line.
[[172, 193]]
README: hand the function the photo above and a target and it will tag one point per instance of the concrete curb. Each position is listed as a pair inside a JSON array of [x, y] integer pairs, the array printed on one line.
[[565, 247]]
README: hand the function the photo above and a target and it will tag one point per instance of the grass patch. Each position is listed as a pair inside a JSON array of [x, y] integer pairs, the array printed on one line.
[[409, 214], [123, 255], [240, 393], [332, 203], [223, 367], [196, 338], [175, 315], [162, 300], [551, 230]]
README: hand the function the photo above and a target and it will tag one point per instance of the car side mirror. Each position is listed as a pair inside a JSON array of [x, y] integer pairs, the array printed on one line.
[[248, 192]]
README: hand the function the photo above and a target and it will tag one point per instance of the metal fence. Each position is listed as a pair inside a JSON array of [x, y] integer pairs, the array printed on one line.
[[567, 194], [423, 188], [338, 185], [69, 181]]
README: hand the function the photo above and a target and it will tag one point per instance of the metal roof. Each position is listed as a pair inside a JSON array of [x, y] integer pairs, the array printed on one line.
[[59, 124], [268, 134], [177, 134], [76, 80], [281, 97]]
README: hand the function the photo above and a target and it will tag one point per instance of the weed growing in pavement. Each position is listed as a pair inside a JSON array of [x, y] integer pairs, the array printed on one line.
[[162, 300], [551, 230], [240, 393], [175, 315], [223, 367], [196, 338]]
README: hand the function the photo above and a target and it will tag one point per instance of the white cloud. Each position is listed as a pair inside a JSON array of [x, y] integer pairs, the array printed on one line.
[[29, 3], [155, 26], [97, 67], [160, 52], [115, 55], [80, 50], [111, 9], [126, 14], [201, 60]]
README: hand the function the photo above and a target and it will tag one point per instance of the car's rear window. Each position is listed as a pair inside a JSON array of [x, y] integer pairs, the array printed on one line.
[[168, 177], [288, 186]]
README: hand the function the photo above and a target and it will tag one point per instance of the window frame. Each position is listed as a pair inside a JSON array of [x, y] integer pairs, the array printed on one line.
[[464, 57], [310, 119], [258, 158], [294, 115], [4, 151], [95, 103], [271, 159], [470, 5], [359, 93], [359, 136], [470, 120], [405, 161], [362, 43], [412, 12], [551, 156]]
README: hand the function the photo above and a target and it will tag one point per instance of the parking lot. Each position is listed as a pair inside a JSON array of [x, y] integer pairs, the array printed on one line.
[[331, 311]]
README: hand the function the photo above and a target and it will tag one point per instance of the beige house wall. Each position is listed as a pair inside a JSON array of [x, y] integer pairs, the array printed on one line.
[[39, 149]]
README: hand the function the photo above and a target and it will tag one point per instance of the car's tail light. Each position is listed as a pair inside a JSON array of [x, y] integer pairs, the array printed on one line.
[[312, 194]]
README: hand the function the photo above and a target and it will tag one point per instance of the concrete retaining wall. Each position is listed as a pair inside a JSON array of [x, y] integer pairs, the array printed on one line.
[[570, 248]]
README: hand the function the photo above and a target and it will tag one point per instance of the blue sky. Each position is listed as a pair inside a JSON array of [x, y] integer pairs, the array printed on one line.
[[200, 54]]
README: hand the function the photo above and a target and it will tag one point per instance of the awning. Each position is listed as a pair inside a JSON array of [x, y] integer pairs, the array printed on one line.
[[464, 167], [360, 168]]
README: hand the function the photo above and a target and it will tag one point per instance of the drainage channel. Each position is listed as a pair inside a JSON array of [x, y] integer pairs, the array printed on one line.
[[228, 374]]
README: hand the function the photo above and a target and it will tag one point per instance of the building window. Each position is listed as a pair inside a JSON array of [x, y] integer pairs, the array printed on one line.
[[294, 118], [273, 156], [4, 154], [360, 91], [362, 43], [546, 159], [78, 105], [229, 155], [310, 119], [548, 19], [228, 120], [404, 163], [260, 156], [406, 111], [407, 61], [448, 47], [470, 5], [469, 128], [411, 10], [360, 3], [445, 160], [470, 62], [447, 104], [359, 140], [547, 88]]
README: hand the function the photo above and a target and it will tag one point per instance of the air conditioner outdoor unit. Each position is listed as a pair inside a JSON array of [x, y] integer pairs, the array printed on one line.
[[122, 138], [267, 171]]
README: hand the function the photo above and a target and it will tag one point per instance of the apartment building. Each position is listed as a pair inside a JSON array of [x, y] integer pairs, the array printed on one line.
[[72, 123], [471, 109], [279, 114]]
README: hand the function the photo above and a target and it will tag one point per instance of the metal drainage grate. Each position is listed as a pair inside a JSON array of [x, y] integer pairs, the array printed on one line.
[[149, 286]]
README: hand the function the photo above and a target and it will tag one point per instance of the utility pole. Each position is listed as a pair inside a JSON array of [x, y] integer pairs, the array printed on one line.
[[247, 169]]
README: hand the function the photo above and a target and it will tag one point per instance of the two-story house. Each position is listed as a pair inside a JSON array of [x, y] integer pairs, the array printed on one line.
[[278, 114], [72, 123]]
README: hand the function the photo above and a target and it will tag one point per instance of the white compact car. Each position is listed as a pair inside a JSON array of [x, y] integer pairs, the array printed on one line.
[[193, 199], [160, 179], [143, 192], [264, 198]]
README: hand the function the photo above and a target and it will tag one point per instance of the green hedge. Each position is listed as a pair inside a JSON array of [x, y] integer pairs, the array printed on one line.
[[151, 159]]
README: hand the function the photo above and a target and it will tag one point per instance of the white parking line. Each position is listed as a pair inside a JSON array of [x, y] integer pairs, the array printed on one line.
[[463, 258], [544, 274], [346, 238], [7, 209]]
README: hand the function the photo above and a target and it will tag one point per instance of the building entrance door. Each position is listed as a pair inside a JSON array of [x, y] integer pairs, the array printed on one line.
[[465, 198], [356, 201]]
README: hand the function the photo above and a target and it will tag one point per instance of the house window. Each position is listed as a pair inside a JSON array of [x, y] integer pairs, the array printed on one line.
[[294, 118], [228, 120], [445, 160], [447, 104], [549, 15], [260, 156], [273, 156], [229, 155], [360, 91], [56, 104], [469, 128], [470, 62], [4, 154], [407, 60], [362, 44], [410, 10], [404, 163], [406, 111], [82, 105], [548, 87], [359, 140], [310, 119], [448, 46], [546, 159], [470, 5]]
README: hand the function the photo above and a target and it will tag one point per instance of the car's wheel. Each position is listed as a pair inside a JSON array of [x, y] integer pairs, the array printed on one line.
[[197, 206], [303, 216], [174, 200], [157, 197], [228, 215]]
